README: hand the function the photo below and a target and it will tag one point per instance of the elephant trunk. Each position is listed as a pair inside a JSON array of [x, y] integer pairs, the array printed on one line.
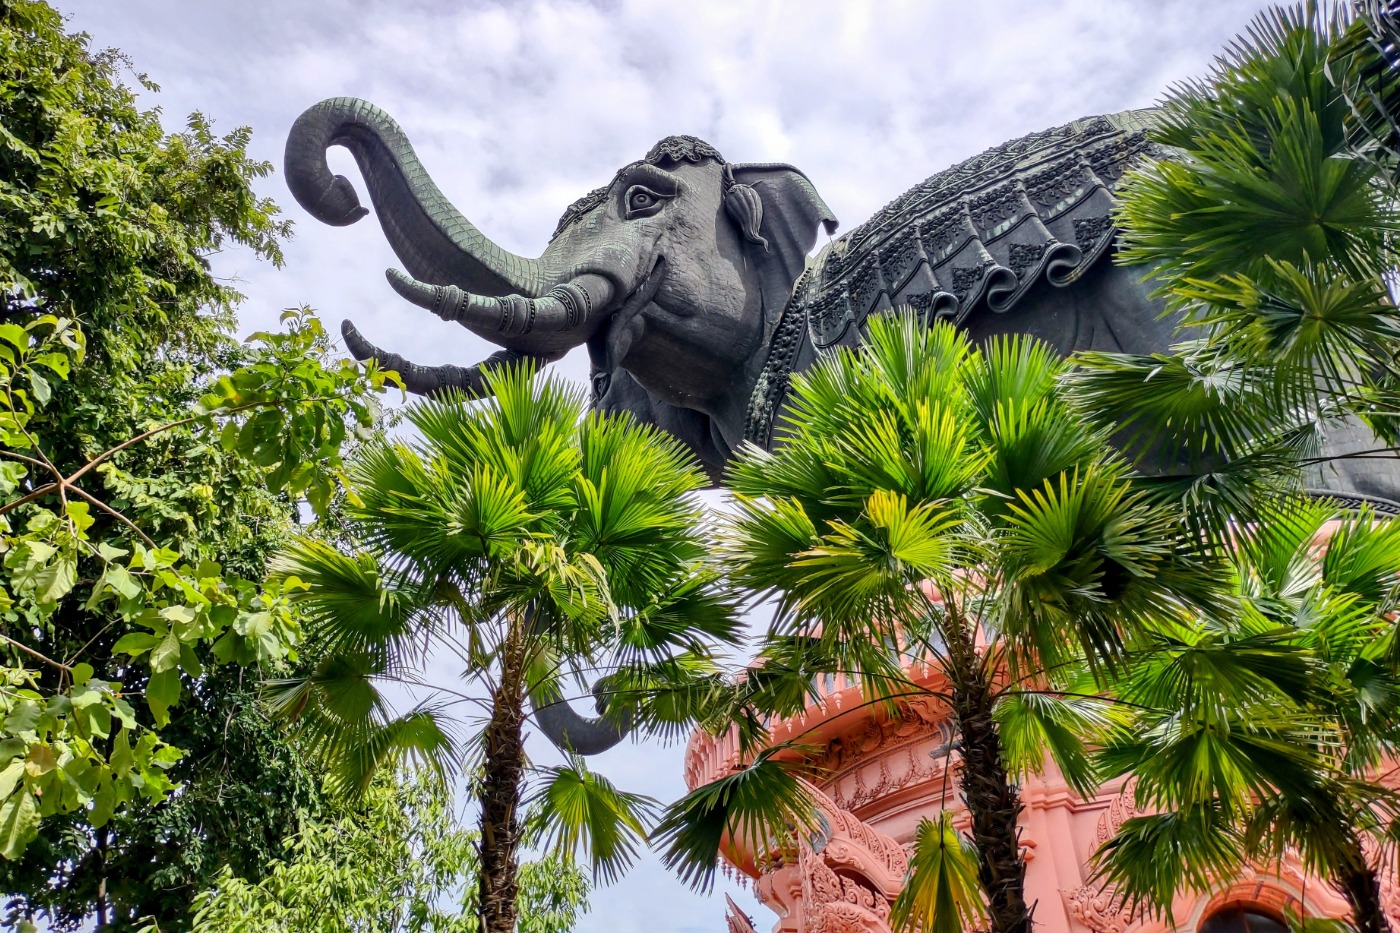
[[435, 242], [571, 732], [435, 380], [567, 309]]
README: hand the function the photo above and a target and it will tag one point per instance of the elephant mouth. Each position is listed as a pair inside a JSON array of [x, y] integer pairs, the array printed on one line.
[[645, 291]]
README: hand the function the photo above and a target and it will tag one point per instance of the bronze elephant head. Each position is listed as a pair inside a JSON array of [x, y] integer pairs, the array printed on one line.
[[672, 274]]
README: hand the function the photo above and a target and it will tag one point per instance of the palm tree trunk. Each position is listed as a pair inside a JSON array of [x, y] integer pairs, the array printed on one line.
[[992, 800], [500, 793], [1361, 887]]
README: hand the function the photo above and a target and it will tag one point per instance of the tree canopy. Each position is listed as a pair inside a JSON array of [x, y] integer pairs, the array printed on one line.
[[149, 464]]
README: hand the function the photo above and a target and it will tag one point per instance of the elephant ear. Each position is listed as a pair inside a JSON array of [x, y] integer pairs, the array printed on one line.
[[789, 214]]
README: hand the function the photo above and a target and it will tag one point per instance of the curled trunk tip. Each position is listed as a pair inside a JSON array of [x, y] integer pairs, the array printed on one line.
[[436, 380]]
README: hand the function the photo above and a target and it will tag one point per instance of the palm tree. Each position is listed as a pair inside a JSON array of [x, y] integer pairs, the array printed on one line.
[[1362, 65], [1273, 240], [1267, 731], [1271, 230], [533, 543], [935, 498]]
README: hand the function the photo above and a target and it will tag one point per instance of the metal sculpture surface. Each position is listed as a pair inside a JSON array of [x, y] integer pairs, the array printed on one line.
[[687, 277]]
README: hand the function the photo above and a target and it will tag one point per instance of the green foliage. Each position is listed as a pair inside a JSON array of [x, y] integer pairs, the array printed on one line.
[[577, 809], [1267, 173], [107, 219], [1032, 724], [941, 894], [140, 492], [159, 607], [1271, 227], [918, 458], [242, 789], [1260, 733], [1151, 858], [1272, 239], [757, 808], [929, 496], [399, 863], [539, 545]]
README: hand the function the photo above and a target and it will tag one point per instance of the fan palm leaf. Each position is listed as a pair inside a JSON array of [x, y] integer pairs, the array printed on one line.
[[540, 546], [758, 807], [580, 811], [941, 892]]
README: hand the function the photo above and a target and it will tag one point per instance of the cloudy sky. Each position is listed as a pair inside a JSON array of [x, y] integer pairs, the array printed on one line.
[[518, 108]]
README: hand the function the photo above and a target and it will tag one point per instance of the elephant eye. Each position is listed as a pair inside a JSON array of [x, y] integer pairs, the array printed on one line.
[[642, 202]]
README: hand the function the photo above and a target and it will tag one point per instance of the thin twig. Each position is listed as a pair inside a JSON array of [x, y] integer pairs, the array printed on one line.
[[79, 653], [34, 654], [115, 514], [67, 482], [112, 452], [30, 460], [36, 494]]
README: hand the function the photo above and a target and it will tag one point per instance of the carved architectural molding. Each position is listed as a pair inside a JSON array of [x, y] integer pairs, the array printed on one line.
[[736, 919], [1100, 909], [842, 880]]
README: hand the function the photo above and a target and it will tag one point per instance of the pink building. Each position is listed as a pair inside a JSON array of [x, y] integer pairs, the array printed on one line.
[[881, 775]]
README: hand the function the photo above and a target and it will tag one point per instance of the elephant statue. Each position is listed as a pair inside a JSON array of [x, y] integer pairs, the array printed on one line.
[[688, 278]]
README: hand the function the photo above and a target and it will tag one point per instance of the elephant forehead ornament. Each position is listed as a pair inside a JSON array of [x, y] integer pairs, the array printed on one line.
[[688, 279]]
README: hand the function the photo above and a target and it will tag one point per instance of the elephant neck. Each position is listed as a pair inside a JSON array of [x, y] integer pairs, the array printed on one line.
[[787, 345]]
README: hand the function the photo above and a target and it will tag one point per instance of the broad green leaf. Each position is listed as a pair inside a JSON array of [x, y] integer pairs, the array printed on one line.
[[10, 777], [166, 654], [19, 822], [15, 336], [11, 473], [121, 580], [40, 387], [135, 643], [163, 691], [40, 760], [121, 759], [57, 579], [23, 717], [104, 803]]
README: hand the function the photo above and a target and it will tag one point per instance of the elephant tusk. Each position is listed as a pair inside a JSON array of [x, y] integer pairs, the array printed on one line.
[[432, 380], [563, 308]]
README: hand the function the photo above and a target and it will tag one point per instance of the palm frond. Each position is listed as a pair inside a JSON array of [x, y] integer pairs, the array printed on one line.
[[757, 808], [580, 811], [668, 699], [1322, 826], [1267, 169], [1363, 559], [1085, 561], [941, 891], [343, 722], [1031, 724], [352, 604], [1152, 858]]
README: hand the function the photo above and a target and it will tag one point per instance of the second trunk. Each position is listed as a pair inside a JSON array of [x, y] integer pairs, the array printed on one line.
[[993, 801], [500, 793]]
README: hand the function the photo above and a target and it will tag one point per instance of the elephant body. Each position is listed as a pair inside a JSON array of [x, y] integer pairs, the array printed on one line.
[[1007, 241], [687, 277]]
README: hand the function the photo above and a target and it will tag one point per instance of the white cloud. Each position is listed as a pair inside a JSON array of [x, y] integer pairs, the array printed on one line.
[[518, 108]]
